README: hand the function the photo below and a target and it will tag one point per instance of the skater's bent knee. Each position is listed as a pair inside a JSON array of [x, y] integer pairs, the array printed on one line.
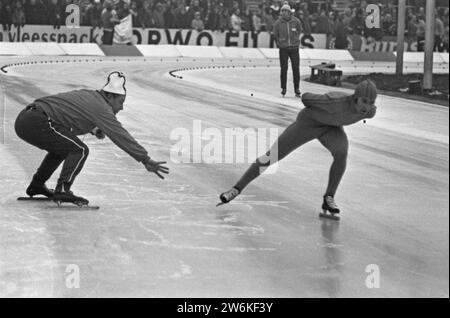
[[340, 154], [83, 150]]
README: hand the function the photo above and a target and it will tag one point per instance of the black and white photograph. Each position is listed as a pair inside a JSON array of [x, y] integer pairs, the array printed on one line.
[[224, 154]]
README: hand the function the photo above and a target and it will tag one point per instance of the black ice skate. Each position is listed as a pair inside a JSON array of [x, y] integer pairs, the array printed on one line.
[[298, 93], [68, 196], [329, 208], [38, 193], [283, 92], [228, 196]]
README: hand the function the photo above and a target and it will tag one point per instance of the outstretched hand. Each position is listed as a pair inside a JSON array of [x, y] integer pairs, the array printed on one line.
[[156, 167], [98, 133]]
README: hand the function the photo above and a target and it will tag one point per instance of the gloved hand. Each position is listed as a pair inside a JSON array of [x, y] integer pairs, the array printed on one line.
[[98, 133], [156, 167]]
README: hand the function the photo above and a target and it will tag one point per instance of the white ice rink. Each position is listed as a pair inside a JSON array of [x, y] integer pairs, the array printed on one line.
[[157, 238]]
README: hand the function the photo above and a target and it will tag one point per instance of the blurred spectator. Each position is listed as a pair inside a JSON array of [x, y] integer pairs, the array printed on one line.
[[267, 20], [445, 39], [246, 18], [123, 9], [181, 16], [54, 13], [169, 17], [389, 28], [18, 14], [225, 20], [347, 18], [256, 21], [158, 16], [322, 22], [195, 7], [93, 14], [109, 20], [438, 33], [331, 22], [420, 34], [145, 17], [357, 24], [305, 22], [341, 33], [411, 28], [6, 15], [197, 22], [213, 20], [35, 12], [236, 21], [134, 14]]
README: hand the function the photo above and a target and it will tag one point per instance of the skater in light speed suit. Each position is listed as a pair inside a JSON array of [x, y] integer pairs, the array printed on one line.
[[52, 123], [322, 118]]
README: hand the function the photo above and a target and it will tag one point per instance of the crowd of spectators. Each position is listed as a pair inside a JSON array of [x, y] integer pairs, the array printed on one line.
[[324, 17]]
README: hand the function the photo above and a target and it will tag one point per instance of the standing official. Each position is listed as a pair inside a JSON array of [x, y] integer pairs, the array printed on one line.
[[287, 36]]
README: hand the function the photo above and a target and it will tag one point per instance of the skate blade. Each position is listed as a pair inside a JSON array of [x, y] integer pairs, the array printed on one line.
[[33, 199], [329, 215], [73, 206], [219, 204]]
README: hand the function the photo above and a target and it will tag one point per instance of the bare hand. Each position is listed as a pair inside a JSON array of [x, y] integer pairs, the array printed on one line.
[[156, 167]]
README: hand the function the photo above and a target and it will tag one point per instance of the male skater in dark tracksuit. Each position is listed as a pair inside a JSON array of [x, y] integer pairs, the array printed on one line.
[[323, 118], [52, 123], [286, 31]]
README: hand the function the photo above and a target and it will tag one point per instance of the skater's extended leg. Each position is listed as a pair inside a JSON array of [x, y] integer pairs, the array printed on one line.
[[297, 134], [335, 140]]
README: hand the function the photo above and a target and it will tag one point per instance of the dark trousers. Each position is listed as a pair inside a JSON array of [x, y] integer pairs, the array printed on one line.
[[438, 47], [285, 55], [33, 126], [420, 43], [108, 37]]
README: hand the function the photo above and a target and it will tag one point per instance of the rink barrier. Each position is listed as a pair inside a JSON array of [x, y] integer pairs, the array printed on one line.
[[241, 53], [45, 49], [418, 57], [14, 48], [79, 49], [326, 55], [163, 50], [199, 51], [120, 50], [374, 56], [81, 52], [93, 49]]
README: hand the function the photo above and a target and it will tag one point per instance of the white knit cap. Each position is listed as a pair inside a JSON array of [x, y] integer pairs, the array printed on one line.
[[115, 83], [285, 7]]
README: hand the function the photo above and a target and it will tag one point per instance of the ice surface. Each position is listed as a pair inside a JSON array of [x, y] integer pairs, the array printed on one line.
[[167, 239]]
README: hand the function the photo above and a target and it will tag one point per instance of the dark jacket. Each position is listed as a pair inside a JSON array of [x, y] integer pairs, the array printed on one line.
[[287, 33], [83, 110]]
